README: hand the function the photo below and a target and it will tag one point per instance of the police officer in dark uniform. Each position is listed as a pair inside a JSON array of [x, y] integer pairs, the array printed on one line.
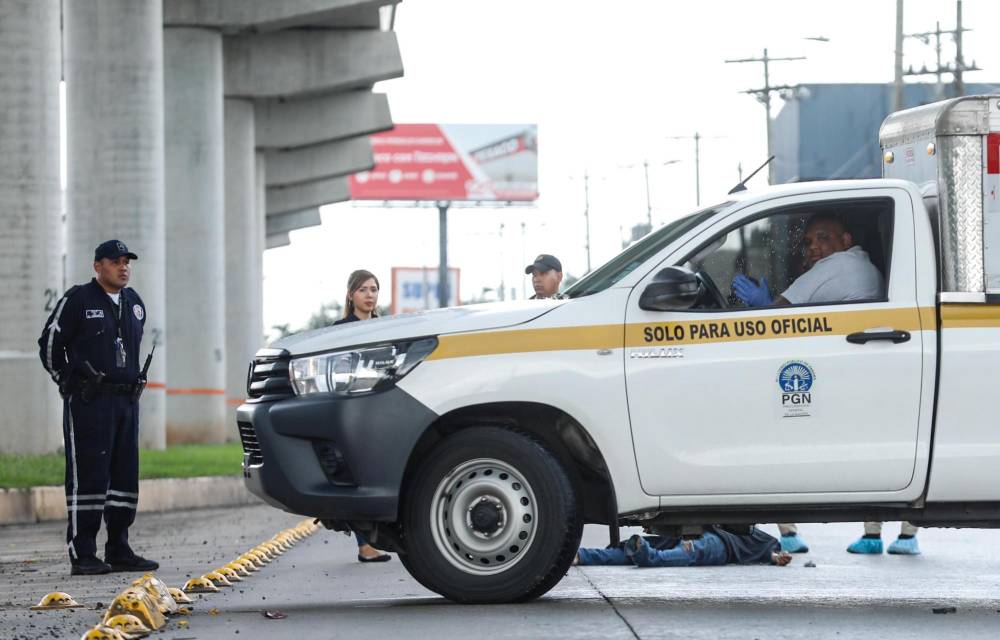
[[546, 276], [90, 347]]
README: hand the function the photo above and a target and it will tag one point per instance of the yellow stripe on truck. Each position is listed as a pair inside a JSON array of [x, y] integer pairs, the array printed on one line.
[[606, 336], [967, 316], [700, 329]]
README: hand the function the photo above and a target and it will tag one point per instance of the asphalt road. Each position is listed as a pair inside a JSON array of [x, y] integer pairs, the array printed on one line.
[[326, 593]]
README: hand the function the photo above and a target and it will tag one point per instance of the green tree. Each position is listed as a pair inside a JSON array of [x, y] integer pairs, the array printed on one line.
[[282, 330], [328, 313]]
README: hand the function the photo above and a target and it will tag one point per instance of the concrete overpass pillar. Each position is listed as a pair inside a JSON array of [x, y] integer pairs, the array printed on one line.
[[244, 330], [260, 205], [113, 56], [195, 213], [30, 203]]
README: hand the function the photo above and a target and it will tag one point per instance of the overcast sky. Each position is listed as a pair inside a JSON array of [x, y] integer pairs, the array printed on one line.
[[608, 84]]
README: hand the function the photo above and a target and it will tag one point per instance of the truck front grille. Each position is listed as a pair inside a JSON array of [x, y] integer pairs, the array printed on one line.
[[251, 446], [268, 376]]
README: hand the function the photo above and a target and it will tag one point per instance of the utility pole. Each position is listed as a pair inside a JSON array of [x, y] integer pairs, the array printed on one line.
[[957, 67], [959, 61], [897, 102], [938, 85], [938, 69], [763, 96]]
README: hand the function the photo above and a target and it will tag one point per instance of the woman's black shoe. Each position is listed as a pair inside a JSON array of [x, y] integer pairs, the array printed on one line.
[[385, 557]]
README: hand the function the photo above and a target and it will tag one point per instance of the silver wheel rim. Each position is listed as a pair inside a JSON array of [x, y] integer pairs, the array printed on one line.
[[468, 490]]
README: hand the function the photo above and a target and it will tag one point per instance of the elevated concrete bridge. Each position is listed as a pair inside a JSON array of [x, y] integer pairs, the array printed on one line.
[[200, 132]]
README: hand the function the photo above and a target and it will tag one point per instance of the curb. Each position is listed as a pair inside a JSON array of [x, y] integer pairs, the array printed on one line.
[[43, 504]]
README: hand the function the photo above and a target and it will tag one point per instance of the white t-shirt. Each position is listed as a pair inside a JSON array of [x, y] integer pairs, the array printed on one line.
[[115, 297], [841, 276]]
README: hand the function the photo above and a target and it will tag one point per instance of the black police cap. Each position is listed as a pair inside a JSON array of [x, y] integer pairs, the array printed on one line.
[[544, 262], [112, 250]]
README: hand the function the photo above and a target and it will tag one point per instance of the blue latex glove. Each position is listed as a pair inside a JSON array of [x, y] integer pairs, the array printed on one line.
[[752, 294]]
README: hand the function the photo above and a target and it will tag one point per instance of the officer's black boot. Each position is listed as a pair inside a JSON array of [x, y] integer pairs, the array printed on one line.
[[120, 556], [89, 566], [124, 559]]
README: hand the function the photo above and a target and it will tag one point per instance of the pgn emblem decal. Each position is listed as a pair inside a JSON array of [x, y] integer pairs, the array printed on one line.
[[137, 310], [796, 380]]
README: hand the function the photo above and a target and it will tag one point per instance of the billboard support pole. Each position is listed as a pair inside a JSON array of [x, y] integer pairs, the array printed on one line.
[[443, 258]]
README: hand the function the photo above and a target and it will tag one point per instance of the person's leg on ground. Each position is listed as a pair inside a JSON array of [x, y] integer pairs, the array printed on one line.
[[587, 556], [707, 550], [790, 540], [123, 488], [871, 542], [906, 543], [86, 482]]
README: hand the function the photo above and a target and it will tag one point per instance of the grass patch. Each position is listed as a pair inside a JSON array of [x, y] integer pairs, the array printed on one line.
[[181, 461]]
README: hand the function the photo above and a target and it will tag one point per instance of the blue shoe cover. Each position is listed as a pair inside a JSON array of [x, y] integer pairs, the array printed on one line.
[[872, 546], [905, 547], [794, 544]]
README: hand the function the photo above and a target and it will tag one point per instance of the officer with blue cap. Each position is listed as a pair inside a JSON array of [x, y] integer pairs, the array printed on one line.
[[90, 347]]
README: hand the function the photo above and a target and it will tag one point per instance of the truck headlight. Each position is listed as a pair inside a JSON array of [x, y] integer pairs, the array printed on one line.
[[358, 371]]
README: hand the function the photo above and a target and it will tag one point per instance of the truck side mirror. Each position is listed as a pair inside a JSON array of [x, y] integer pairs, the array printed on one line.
[[672, 289]]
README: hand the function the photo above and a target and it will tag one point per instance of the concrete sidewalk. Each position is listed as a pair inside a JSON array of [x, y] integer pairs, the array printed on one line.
[[42, 504]]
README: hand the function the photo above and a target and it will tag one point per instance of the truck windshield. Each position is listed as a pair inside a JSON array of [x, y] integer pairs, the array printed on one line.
[[626, 261]]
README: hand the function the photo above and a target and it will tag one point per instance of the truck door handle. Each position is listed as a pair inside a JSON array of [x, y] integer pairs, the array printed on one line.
[[862, 337]]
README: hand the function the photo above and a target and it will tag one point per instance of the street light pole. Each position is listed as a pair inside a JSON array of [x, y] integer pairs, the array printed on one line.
[[586, 212], [697, 137], [443, 254], [649, 204], [697, 170], [645, 173]]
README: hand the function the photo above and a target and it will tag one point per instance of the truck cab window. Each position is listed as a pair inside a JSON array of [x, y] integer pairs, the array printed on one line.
[[767, 261]]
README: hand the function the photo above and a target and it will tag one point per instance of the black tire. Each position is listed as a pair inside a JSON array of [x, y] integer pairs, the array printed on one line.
[[528, 500]]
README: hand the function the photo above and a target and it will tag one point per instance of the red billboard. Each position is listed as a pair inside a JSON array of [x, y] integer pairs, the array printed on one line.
[[452, 162]]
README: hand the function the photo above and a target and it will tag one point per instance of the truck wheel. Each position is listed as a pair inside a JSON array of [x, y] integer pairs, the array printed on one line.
[[490, 517]]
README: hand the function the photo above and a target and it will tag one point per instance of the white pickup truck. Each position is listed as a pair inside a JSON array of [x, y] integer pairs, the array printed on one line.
[[477, 441]]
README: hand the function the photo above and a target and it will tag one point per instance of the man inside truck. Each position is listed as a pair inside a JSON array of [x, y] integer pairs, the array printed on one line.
[[837, 270]]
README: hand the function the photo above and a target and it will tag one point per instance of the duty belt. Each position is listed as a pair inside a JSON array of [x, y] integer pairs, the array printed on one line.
[[116, 389]]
